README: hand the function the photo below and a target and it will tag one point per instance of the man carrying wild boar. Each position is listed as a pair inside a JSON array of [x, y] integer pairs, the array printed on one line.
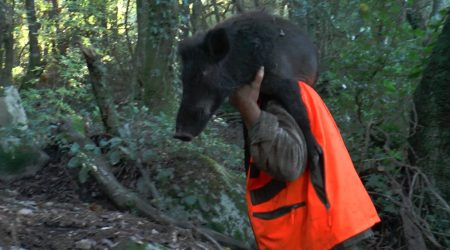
[[302, 189]]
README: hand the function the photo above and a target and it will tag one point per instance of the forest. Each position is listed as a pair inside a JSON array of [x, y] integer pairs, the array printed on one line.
[[89, 93]]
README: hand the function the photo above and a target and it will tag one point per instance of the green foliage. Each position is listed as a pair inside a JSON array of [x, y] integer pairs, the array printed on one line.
[[16, 150], [19, 153], [371, 62], [45, 108], [373, 65], [193, 179]]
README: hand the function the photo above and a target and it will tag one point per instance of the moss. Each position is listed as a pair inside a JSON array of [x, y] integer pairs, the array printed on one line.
[[19, 161]]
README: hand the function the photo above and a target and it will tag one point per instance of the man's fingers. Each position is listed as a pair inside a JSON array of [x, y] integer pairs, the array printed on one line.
[[259, 77]]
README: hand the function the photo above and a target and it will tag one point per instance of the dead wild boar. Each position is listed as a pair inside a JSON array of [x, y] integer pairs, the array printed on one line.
[[217, 62]]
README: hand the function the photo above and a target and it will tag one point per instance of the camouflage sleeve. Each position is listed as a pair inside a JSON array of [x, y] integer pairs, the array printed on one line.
[[277, 144]]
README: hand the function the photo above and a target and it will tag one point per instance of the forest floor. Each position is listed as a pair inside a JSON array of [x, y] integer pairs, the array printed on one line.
[[50, 210]]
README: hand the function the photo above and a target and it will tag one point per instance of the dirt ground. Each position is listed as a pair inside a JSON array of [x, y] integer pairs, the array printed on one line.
[[51, 211]]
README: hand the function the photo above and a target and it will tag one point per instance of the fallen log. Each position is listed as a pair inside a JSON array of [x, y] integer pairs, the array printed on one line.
[[124, 198]]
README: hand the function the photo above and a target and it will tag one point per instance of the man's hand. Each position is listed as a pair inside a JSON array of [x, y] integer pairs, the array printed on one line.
[[245, 99]]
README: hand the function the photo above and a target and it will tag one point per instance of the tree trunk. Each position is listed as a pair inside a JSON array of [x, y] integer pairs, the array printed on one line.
[[100, 12], [298, 13], [416, 16], [437, 4], [185, 24], [101, 91], [126, 199], [239, 4], [62, 43], [2, 35], [216, 10], [9, 56], [54, 15], [198, 23], [157, 23], [34, 62], [6, 44], [430, 135]]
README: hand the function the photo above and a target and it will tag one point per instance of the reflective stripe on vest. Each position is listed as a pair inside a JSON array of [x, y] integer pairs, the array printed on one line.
[[290, 215], [266, 192]]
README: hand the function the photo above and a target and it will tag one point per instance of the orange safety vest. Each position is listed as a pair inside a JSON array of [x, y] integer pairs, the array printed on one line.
[[290, 215]]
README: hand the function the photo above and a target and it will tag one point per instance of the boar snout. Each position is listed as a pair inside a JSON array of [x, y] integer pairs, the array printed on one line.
[[183, 136]]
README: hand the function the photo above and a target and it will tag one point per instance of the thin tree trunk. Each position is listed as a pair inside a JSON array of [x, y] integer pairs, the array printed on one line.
[[139, 56], [157, 23], [60, 40], [430, 132], [101, 92], [127, 32], [216, 10], [437, 4], [239, 6], [256, 3], [54, 15], [197, 21], [34, 63], [9, 56], [185, 26], [416, 16], [298, 13], [2, 33], [104, 22], [6, 43], [115, 23]]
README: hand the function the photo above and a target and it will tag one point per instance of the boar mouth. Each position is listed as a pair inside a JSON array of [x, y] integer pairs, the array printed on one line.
[[183, 136], [185, 130]]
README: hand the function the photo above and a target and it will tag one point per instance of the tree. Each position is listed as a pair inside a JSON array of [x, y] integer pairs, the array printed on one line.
[[198, 22], [6, 43], [430, 135], [157, 22], [34, 63]]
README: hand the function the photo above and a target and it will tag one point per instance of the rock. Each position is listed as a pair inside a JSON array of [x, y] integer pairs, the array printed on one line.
[[25, 211], [11, 110], [49, 204], [108, 243], [15, 248], [19, 155], [85, 244], [20, 161]]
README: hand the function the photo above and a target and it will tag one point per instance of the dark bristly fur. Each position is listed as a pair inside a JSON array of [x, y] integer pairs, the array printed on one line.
[[217, 62]]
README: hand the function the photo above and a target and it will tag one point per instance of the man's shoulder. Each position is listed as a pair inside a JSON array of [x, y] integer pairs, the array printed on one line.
[[276, 108]]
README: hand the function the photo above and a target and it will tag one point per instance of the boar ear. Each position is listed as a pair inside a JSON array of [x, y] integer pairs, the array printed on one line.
[[217, 44]]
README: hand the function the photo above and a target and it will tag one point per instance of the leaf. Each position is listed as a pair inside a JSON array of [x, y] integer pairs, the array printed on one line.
[[203, 204], [190, 200], [83, 175], [103, 143], [148, 154], [128, 152], [114, 157], [389, 85], [74, 149], [93, 148], [124, 131], [115, 141], [90, 147], [74, 162], [78, 124]]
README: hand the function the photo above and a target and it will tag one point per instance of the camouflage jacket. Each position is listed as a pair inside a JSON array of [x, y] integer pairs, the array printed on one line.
[[277, 144]]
